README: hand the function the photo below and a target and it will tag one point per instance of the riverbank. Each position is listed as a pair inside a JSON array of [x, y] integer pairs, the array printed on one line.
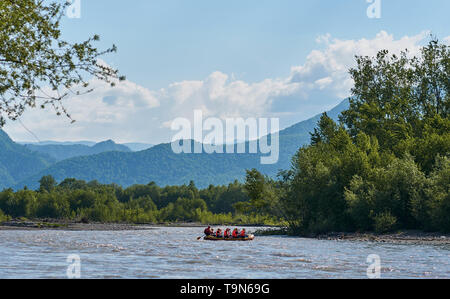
[[70, 226], [18, 224], [401, 237]]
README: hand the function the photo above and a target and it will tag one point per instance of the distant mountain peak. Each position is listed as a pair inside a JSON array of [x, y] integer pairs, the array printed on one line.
[[110, 145], [106, 142]]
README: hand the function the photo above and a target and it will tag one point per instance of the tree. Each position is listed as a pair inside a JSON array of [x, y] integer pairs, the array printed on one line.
[[375, 170], [438, 191], [3, 217], [326, 128], [39, 68], [47, 183], [263, 194], [399, 98]]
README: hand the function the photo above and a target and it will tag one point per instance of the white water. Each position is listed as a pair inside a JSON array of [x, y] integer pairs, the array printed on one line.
[[175, 253]]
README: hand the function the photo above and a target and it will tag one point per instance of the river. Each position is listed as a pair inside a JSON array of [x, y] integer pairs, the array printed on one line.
[[176, 253]]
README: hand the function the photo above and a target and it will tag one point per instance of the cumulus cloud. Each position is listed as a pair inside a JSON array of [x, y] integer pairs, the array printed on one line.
[[219, 96], [130, 112], [328, 68], [99, 114]]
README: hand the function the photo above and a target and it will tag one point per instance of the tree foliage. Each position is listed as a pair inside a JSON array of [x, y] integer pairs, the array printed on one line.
[[386, 165], [404, 102], [38, 67], [78, 200]]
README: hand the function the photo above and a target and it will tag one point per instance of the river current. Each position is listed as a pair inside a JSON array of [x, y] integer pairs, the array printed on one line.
[[176, 253]]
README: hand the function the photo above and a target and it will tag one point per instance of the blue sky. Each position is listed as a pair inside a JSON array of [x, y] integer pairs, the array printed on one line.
[[161, 42], [220, 56]]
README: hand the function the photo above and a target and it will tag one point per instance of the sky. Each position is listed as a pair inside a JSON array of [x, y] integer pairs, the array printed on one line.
[[287, 59]]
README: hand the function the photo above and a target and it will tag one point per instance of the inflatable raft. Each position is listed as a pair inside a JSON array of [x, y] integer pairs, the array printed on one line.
[[212, 238]]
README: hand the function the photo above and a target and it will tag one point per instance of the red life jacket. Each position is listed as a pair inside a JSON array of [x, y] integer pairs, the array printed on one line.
[[226, 234], [242, 233], [207, 231], [235, 234]]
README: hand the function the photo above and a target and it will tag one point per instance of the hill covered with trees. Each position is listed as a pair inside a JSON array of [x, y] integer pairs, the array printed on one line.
[[161, 165], [18, 162]]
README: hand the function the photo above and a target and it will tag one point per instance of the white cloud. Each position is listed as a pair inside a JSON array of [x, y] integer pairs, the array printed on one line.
[[219, 96], [328, 68], [98, 114], [130, 112]]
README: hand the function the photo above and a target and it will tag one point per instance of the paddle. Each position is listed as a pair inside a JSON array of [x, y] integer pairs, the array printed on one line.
[[199, 238]]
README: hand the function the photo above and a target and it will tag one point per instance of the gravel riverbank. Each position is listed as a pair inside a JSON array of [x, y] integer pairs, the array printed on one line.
[[402, 237]]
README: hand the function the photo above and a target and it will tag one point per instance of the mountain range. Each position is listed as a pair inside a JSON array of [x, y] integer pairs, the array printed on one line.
[[133, 146], [161, 165], [17, 162], [61, 152]]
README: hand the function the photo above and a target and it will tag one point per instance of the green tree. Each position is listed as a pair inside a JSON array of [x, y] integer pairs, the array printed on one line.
[[404, 102], [325, 130], [438, 205], [47, 183], [262, 193], [3, 217], [370, 172], [39, 68], [53, 205]]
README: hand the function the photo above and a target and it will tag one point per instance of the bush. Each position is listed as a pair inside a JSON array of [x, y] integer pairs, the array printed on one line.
[[438, 205], [385, 222], [3, 217]]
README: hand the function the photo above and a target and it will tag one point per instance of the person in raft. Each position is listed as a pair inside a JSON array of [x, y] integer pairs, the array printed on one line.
[[235, 233], [243, 234], [208, 231], [227, 234], [219, 233]]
